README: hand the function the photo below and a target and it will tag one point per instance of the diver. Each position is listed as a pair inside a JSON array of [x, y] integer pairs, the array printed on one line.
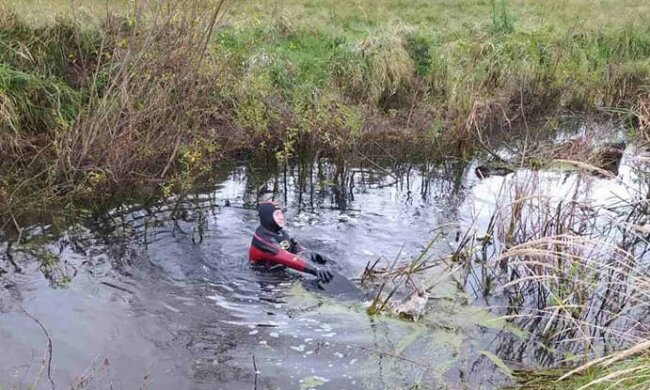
[[273, 247]]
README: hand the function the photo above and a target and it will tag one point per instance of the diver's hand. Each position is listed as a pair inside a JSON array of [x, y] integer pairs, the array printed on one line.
[[324, 275], [318, 258]]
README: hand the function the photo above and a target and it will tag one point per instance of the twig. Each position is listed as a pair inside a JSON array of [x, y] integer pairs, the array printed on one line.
[[387, 172], [369, 269], [171, 157], [255, 371], [19, 229], [389, 354], [49, 345], [213, 22], [415, 99], [521, 107], [116, 287]]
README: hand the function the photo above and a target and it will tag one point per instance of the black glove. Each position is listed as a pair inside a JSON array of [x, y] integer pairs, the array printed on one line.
[[294, 246], [323, 275], [318, 258]]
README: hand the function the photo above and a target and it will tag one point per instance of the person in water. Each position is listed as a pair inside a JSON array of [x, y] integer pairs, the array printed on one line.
[[272, 246]]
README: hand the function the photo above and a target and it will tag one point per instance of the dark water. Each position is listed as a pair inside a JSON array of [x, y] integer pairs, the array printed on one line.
[[163, 296]]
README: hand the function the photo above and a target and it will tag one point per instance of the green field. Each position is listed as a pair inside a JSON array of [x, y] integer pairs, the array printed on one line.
[[43, 12], [357, 16], [325, 76]]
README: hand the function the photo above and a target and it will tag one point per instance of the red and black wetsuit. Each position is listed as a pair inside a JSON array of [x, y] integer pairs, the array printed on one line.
[[271, 245]]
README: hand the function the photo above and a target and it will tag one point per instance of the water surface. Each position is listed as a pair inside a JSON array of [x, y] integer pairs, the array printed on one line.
[[163, 296]]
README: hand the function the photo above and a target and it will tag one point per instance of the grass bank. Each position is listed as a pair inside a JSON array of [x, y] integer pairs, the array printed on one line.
[[96, 101]]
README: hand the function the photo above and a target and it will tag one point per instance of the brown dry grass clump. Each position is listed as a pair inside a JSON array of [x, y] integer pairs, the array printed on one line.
[[642, 111]]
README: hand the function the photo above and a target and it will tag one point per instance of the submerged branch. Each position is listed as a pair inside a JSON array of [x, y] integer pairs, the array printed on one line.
[[49, 344]]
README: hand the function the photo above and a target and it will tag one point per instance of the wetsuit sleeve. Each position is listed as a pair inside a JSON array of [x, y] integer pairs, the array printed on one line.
[[275, 254]]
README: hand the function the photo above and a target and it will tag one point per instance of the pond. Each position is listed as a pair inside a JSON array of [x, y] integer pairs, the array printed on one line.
[[162, 295]]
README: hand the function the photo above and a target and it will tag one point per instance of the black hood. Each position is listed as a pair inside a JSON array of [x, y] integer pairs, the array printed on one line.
[[266, 210]]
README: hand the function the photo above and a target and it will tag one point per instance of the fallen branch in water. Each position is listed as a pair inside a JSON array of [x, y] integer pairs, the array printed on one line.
[[255, 371], [587, 167], [126, 290], [49, 345], [392, 355]]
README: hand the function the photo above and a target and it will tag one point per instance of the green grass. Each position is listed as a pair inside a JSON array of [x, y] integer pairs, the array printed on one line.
[[448, 56], [461, 52], [326, 75], [31, 102], [44, 12], [443, 16]]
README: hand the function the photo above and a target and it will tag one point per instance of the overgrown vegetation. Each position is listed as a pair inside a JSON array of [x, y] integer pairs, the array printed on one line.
[[145, 97], [562, 262], [151, 94]]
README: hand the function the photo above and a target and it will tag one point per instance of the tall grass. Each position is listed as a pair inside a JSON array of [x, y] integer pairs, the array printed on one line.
[[377, 69], [501, 19], [155, 93], [31, 103], [573, 274], [87, 111], [151, 94], [565, 266]]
